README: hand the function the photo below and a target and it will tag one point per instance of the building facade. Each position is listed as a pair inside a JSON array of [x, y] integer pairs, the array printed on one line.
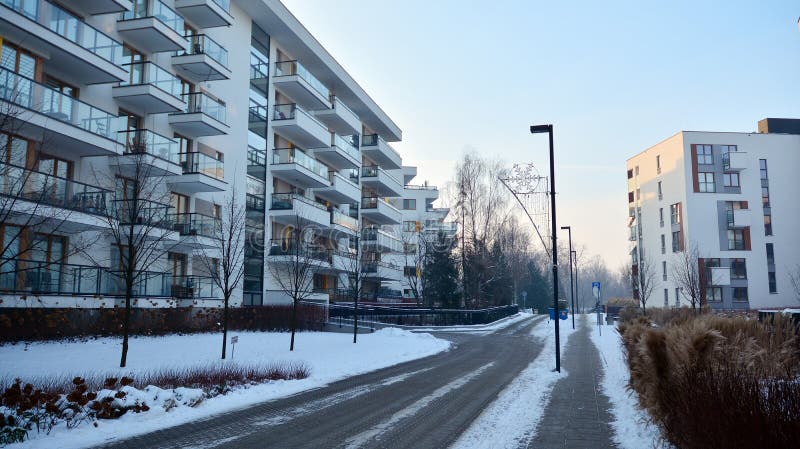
[[221, 97], [733, 197]]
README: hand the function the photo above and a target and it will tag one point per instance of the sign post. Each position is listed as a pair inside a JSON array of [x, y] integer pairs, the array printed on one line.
[[234, 340], [524, 300], [596, 293]]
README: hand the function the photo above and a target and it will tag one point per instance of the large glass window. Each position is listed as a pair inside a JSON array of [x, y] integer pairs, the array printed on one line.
[[704, 154], [409, 204], [706, 182], [714, 294], [738, 269], [730, 179], [773, 283], [740, 294], [677, 244], [675, 213], [735, 239]]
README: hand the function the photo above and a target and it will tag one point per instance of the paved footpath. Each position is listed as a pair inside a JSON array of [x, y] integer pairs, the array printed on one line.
[[577, 416]]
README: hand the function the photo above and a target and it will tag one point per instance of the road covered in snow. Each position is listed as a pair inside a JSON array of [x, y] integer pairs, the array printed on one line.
[[427, 402]]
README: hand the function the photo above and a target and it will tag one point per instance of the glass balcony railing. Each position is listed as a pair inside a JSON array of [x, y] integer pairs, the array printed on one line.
[[346, 144], [254, 203], [258, 114], [146, 72], [288, 68], [195, 224], [143, 212], [373, 202], [295, 156], [42, 188], [375, 235], [372, 140], [338, 218], [289, 111], [372, 171], [200, 44], [53, 278], [203, 103], [68, 26], [196, 162], [147, 283], [29, 94], [224, 4], [256, 157], [194, 287], [286, 201], [162, 12], [259, 67], [143, 141], [291, 247], [336, 103]]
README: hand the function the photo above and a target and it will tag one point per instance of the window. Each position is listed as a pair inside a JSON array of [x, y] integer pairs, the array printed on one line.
[[714, 294], [638, 194], [663, 244], [770, 254], [730, 179], [704, 155], [765, 197], [767, 224], [660, 192], [19, 61], [762, 165], [675, 213], [725, 149], [705, 181], [409, 226], [179, 203], [738, 269], [409, 271], [661, 217], [666, 297], [735, 239], [677, 296], [677, 245], [658, 164], [630, 174], [773, 283], [637, 170], [664, 271], [630, 197], [740, 294], [409, 204]]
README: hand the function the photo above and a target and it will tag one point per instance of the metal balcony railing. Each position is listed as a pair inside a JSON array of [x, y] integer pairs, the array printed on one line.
[[192, 223]]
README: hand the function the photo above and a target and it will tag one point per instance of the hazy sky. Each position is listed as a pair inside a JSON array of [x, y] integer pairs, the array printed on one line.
[[614, 78]]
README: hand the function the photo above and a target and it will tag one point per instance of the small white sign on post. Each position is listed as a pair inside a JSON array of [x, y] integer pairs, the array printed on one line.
[[234, 340]]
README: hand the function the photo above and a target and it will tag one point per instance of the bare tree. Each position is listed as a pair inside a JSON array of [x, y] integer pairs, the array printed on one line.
[[355, 280], [139, 225], [294, 274], [225, 262], [644, 278], [413, 249], [794, 276], [686, 272]]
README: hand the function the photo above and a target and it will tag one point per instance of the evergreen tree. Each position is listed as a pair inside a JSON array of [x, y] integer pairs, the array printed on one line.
[[499, 288], [540, 292], [440, 274]]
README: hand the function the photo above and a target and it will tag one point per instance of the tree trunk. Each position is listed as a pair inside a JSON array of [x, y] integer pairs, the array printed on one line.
[[225, 326], [294, 324], [126, 325], [355, 320]]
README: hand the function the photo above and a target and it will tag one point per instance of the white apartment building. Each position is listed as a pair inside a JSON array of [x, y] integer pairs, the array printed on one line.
[[221, 96], [734, 197]]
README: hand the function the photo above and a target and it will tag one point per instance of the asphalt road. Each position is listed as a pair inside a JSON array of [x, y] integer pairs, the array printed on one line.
[[425, 403]]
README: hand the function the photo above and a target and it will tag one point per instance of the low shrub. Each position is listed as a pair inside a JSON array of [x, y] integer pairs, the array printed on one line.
[[717, 382]]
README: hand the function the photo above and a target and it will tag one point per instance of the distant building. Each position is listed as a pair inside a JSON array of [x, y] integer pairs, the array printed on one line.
[[736, 196]]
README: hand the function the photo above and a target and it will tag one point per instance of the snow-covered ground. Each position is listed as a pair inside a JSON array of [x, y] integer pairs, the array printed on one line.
[[630, 425], [510, 420], [330, 356], [475, 328]]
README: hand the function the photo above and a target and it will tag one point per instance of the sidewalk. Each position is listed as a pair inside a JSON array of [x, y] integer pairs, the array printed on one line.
[[577, 415]]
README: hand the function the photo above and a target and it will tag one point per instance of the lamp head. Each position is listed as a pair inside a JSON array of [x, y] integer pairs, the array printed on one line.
[[536, 129]]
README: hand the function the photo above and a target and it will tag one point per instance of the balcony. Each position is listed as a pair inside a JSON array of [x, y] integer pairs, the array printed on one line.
[[153, 27], [378, 210], [259, 72], [339, 118], [150, 220], [340, 191], [343, 222], [196, 231], [70, 205], [297, 83], [70, 126], [738, 218], [374, 147], [299, 127], [96, 7], [203, 116], [375, 239], [194, 287], [381, 182], [342, 153], [150, 153], [149, 90], [206, 13], [257, 163], [257, 118], [292, 209], [202, 60], [735, 161], [381, 271], [201, 173], [298, 168], [343, 261], [79, 50], [289, 249]]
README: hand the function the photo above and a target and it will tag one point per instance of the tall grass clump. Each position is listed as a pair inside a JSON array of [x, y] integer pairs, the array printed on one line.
[[710, 381]]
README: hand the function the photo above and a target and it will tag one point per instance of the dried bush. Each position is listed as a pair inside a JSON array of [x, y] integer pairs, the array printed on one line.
[[717, 382]]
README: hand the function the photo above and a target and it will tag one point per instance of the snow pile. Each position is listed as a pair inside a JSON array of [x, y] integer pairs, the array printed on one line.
[[511, 419], [477, 328], [330, 357], [630, 424]]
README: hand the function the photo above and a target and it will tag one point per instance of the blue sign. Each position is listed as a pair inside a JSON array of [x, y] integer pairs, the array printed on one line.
[[596, 290]]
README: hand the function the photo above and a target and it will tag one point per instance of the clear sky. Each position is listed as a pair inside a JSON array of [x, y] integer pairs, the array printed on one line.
[[614, 78]]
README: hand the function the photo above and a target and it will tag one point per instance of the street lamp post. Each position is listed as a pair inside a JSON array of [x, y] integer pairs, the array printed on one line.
[[571, 282], [538, 129], [577, 290]]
